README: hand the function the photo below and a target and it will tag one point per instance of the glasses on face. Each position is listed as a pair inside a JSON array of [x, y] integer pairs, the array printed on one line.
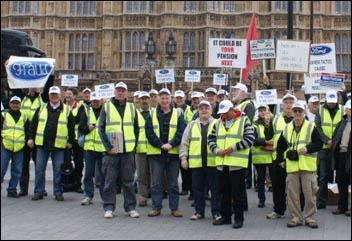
[[297, 111]]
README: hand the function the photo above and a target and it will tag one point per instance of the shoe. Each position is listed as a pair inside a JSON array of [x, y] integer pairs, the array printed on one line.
[[270, 189], [312, 224], [59, 198], [338, 212], [45, 194], [176, 214], [79, 190], [237, 225], [274, 215], [143, 203], [37, 197], [261, 204], [348, 213], [293, 224], [133, 214], [191, 198], [196, 217], [108, 214], [86, 201], [12, 195], [154, 213], [221, 221], [321, 206], [23, 194], [183, 193]]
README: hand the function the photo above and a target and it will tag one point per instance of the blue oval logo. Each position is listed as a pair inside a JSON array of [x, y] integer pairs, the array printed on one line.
[[104, 87], [164, 71], [70, 77], [266, 93], [28, 71], [332, 96], [221, 76], [222, 106], [192, 72], [320, 50]]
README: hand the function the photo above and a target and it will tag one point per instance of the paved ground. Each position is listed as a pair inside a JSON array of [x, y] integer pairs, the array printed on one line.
[[47, 219]]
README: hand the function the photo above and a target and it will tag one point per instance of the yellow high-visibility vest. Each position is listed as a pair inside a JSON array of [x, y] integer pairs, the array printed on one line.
[[260, 156], [188, 114], [29, 108], [13, 134], [279, 125], [142, 139], [92, 141]]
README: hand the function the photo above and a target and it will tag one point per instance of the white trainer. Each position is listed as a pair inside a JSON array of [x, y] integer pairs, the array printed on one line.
[[274, 215], [86, 201], [133, 214], [108, 214]]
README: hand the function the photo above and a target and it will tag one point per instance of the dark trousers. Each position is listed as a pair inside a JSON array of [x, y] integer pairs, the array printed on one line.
[[324, 171], [78, 154], [186, 179], [206, 177], [279, 175], [249, 173], [261, 170], [29, 154], [343, 181], [232, 188]]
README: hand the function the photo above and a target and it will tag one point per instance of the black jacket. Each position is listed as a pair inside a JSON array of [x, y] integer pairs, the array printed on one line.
[[50, 130], [268, 132]]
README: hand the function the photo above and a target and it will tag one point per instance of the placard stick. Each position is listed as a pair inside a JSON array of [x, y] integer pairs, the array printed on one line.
[[264, 67], [241, 76], [192, 86]]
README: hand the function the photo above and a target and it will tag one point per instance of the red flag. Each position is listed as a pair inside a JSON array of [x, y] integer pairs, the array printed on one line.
[[251, 35]]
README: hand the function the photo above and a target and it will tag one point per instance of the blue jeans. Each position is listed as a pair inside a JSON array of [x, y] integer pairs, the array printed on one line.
[[323, 159], [57, 158], [261, 169], [91, 158], [159, 165], [16, 167], [201, 178]]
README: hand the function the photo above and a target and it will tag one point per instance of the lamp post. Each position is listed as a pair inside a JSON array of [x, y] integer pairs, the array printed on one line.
[[150, 63], [170, 47]]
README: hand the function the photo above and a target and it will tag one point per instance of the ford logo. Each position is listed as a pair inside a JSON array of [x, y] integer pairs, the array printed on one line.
[[104, 87], [70, 77], [164, 71], [266, 92], [320, 50], [25, 70], [192, 72], [222, 106], [221, 76], [332, 96]]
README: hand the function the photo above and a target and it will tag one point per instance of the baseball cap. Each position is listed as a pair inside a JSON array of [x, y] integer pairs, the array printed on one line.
[[136, 94], [143, 94], [225, 106], [54, 90], [223, 92], [196, 94], [241, 87], [15, 98], [313, 99], [204, 102], [94, 96], [121, 85], [262, 106], [211, 90], [349, 95], [348, 104], [289, 96], [87, 89], [153, 92], [331, 97], [164, 91], [179, 93], [323, 100], [299, 105]]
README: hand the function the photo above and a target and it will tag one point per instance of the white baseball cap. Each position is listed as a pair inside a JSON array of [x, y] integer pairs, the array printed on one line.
[[54, 90], [94, 96], [143, 94], [313, 99], [180, 93], [136, 94], [121, 85], [348, 104], [211, 90], [241, 87], [225, 106], [323, 100], [164, 91], [196, 94], [15, 98], [289, 96], [263, 106], [204, 102], [153, 92], [331, 97], [223, 92], [299, 105], [87, 89], [349, 95]]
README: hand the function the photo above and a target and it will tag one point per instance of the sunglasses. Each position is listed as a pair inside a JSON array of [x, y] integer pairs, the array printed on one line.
[[298, 111]]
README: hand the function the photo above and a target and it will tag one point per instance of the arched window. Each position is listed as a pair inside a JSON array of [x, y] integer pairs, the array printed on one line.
[[91, 42], [345, 7], [193, 42], [186, 43], [344, 43], [128, 41], [14, 6], [135, 6], [135, 41], [344, 63], [85, 8], [79, 8], [187, 6], [284, 5], [84, 42], [78, 43], [141, 41], [193, 6], [277, 6], [71, 43], [35, 40], [134, 60], [129, 6], [35, 7], [143, 6], [337, 43], [301, 6], [337, 6], [92, 7]]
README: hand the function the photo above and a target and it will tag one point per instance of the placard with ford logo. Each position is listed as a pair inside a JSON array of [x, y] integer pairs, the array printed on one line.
[[262, 49], [164, 76], [105, 91], [332, 81], [266, 97], [220, 79], [69, 80], [25, 72], [192, 76]]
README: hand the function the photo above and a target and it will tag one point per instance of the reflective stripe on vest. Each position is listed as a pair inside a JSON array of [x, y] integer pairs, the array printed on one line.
[[62, 130], [114, 124], [172, 131], [142, 139], [29, 108], [195, 146], [92, 141], [188, 114], [13, 134], [226, 139], [279, 125], [327, 124], [307, 162], [260, 156]]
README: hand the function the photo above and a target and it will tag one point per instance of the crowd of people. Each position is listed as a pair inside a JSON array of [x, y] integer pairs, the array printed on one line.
[[213, 138]]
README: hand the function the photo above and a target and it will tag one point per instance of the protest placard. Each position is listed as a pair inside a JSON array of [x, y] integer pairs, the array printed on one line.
[[220, 79], [105, 91], [25, 72], [229, 53], [266, 97], [262, 49], [192, 76], [69, 80], [164, 76], [332, 81], [292, 56]]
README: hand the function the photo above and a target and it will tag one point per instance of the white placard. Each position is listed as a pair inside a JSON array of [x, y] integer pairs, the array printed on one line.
[[227, 53], [105, 91], [164, 76], [292, 56], [322, 59], [262, 49], [69, 80], [25, 72], [192, 76], [220, 79], [267, 97]]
